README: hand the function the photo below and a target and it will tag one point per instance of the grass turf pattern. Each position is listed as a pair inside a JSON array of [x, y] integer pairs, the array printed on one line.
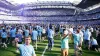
[[11, 51]]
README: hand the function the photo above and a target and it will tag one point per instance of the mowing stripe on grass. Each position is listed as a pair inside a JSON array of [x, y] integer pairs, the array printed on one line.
[[44, 50]]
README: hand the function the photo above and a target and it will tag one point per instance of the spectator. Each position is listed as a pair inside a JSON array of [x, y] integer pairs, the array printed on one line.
[[4, 38], [50, 35], [64, 43], [25, 49], [94, 44], [34, 37]]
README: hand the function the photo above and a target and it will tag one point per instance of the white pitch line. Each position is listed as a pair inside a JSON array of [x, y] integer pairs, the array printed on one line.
[[44, 50]]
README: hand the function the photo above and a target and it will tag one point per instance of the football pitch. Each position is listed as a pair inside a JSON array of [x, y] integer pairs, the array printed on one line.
[[43, 51]]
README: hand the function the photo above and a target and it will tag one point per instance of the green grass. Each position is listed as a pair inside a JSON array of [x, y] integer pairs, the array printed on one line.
[[10, 51]]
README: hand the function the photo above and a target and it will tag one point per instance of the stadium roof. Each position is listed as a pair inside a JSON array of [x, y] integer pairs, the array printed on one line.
[[28, 1], [88, 3], [83, 4]]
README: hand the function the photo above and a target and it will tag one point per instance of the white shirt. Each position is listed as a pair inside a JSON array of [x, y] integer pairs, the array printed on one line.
[[71, 29], [20, 31], [94, 42], [81, 34], [44, 31], [91, 29]]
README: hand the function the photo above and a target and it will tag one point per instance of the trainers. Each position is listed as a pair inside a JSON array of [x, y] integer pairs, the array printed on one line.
[[17, 51], [96, 50], [80, 52], [3, 45], [51, 48], [7, 43], [6, 47]]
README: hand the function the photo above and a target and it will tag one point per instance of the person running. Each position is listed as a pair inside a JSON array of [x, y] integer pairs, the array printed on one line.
[[34, 37], [25, 49]]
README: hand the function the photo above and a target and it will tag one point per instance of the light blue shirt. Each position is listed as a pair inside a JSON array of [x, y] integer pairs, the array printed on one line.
[[3, 34], [64, 43], [26, 50], [0, 31], [19, 36], [94, 42], [77, 38], [50, 33], [39, 31], [13, 33], [26, 33], [87, 34], [34, 35], [61, 30]]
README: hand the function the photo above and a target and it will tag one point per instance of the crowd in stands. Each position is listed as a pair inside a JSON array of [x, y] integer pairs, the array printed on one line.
[[93, 11], [53, 15], [48, 12], [49, 3]]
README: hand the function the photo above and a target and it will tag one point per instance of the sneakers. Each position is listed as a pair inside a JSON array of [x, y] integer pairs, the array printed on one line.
[[2, 46], [17, 51], [99, 49], [49, 49], [5, 45], [80, 52]]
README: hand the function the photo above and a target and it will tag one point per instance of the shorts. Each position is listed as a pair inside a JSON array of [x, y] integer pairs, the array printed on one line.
[[34, 41], [43, 34], [64, 51], [61, 33], [93, 47], [19, 42], [76, 46], [86, 42], [12, 38], [3, 40], [50, 42]]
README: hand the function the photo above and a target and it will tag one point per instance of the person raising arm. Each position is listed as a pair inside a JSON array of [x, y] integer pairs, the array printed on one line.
[[25, 49]]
